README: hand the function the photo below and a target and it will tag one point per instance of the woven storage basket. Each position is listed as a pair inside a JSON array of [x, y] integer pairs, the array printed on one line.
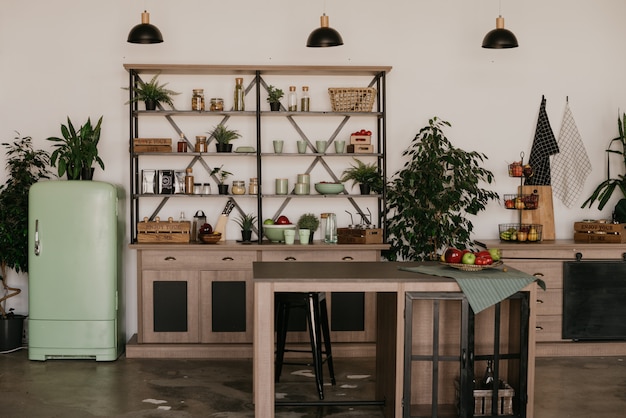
[[352, 99]]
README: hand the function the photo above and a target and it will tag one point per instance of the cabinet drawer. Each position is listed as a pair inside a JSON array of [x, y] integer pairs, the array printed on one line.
[[549, 328], [335, 255], [549, 302], [200, 260], [550, 271]]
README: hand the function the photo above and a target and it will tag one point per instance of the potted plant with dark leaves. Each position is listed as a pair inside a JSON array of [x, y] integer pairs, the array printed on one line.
[[223, 136], [25, 167], [221, 176], [365, 175], [430, 199], [274, 96], [309, 221], [152, 93], [77, 150], [246, 222]]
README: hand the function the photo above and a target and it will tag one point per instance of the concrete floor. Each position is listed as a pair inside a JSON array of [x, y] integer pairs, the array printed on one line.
[[148, 388]]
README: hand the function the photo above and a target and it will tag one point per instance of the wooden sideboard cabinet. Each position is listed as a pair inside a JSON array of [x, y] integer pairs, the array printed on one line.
[[196, 300], [545, 260]]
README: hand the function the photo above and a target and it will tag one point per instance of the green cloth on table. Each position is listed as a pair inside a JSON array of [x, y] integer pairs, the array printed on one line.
[[482, 288]]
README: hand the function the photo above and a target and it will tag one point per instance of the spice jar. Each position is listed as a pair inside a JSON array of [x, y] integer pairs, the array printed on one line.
[[197, 100], [217, 104], [305, 101], [197, 188], [206, 188], [239, 187], [253, 187], [182, 143], [201, 144]]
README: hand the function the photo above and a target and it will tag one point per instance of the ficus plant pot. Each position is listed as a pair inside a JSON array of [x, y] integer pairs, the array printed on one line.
[[220, 147], [11, 332]]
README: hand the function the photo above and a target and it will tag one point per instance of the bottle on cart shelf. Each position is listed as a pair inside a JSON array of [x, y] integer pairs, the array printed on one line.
[[238, 103], [305, 100], [292, 99], [488, 378]]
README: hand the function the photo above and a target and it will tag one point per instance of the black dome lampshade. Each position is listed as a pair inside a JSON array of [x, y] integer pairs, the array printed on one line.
[[145, 33], [324, 36], [500, 38]]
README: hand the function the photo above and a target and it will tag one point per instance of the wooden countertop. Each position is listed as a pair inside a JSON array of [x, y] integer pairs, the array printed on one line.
[[255, 246]]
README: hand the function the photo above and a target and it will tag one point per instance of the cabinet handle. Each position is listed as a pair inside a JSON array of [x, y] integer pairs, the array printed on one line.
[[539, 301], [228, 258], [538, 328], [290, 258], [170, 258], [348, 258]]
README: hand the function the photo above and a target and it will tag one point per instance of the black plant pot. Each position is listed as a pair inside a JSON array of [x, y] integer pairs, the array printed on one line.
[[222, 188], [365, 188], [311, 237], [224, 147], [11, 332], [150, 104], [246, 236], [275, 107], [86, 173]]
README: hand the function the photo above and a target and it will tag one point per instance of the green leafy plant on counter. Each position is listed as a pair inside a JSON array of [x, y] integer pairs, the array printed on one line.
[[605, 190], [308, 221], [430, 198]]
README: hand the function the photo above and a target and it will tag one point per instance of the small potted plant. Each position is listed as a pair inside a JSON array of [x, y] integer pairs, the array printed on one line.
[[223, 136], [309, 221], [221, 175], [365, 175], [246, 222], [152, 93], [77, 151], [275, 94], [26, 166]]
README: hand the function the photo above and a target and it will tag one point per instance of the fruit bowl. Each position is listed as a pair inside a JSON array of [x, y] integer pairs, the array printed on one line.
[[521, 201], [472, 267], [210, 238], [275, 233], [329, 188], [520, 232]]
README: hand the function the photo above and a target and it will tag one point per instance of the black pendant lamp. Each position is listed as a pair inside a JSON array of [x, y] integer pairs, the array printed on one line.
[[324, 36], [145, 33], [499, 37]]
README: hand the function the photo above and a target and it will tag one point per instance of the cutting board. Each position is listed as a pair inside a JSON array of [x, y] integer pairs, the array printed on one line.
[[544, 214]]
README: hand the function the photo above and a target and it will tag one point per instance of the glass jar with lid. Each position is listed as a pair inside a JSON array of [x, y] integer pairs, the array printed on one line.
[[201, 145], [239, 187], [217, 104], [253, 186], [197, 100]]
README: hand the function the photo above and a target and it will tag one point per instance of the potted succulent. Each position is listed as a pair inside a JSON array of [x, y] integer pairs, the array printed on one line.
[[77, 151], [447, 181], [26, 166], [365, 175], [274, 96], [223, 136], [221, 175], [309, 221], [246, 222], [152, 93]]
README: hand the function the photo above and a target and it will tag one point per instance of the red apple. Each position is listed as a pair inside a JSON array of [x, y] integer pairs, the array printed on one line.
[[282, 220], [453, 255]]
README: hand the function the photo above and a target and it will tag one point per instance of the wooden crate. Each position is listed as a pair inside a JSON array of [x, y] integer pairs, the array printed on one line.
[[359, 236], [360, 149], [163, 232], [152, 145], [599, 232], [483, 400]]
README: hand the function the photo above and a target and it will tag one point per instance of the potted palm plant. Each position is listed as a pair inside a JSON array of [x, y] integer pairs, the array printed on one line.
[[274, 96], [152, 93], [447, 180], [26, 166], [246, 222], [77, 150], [223, 136], [221, 175], [309, 221], [365, 175]]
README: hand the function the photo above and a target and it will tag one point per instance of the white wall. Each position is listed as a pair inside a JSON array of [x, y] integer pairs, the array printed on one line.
[[64, 58]]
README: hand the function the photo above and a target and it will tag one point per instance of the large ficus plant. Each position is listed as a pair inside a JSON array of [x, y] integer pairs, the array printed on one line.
[[25, 167], [428, 200]]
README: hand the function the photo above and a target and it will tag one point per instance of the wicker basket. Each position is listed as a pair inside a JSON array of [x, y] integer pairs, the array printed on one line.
[[352, 99]]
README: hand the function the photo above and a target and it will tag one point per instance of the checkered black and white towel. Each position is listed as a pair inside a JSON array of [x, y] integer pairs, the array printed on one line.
[[543, 147], [571, 166]]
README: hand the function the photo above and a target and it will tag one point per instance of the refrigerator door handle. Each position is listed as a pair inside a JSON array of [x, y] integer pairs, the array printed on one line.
[[37, 243]]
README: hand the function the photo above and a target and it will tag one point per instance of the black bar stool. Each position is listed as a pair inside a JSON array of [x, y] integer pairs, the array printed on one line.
[[314, 304]]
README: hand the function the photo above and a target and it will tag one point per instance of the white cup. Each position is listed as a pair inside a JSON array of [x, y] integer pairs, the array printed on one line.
[[290, 236], [304, 236]]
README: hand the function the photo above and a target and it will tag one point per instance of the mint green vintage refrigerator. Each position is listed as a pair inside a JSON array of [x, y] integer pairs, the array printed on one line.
[[75, 247]]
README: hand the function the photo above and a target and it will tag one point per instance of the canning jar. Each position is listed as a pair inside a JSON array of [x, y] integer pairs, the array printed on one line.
[[253, 187], [239, 187], [201, 144], [197, 100], [217, 104]]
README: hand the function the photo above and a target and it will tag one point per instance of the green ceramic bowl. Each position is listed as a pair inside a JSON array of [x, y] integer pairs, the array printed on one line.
[[329, 188], [275, 233]]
